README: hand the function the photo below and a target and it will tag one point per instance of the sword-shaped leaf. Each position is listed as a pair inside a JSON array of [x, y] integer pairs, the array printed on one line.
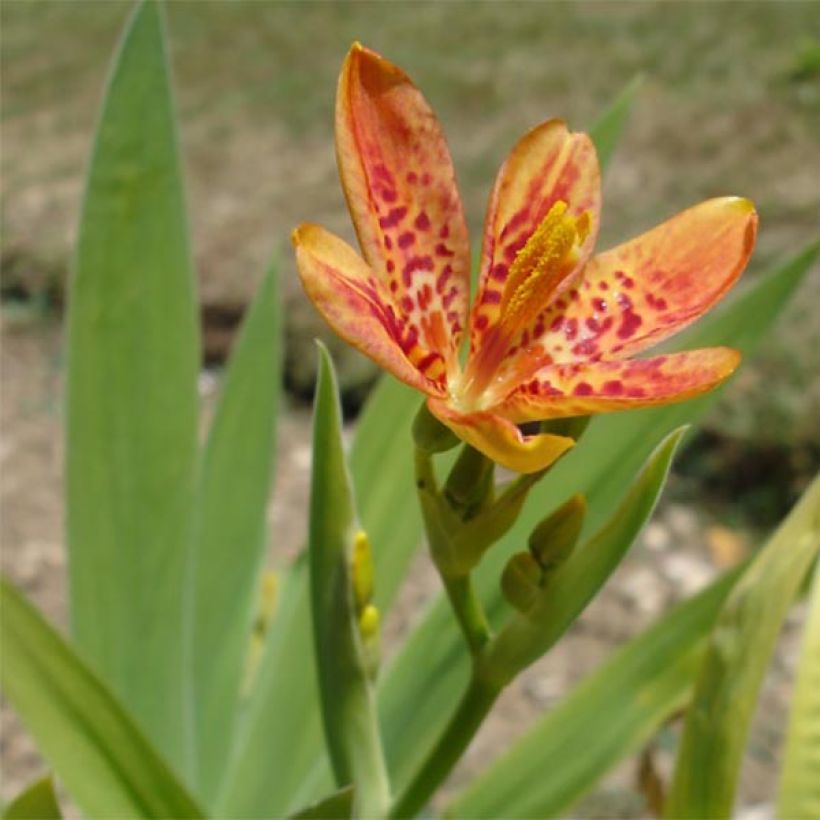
[[133, 361], [717, 721], [345, 621], [92, 743]]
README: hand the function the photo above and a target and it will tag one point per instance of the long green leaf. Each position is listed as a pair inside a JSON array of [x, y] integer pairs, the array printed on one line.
[[609, 715], [133, 355], [37, 802], [106, 763], [738, 653], [800, 784], [420, 687], [229, 530], [525, 638], [289, 741], [338, 577], [274, 738]]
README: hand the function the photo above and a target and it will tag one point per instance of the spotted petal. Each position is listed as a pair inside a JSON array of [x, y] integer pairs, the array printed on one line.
[[599, 387], [643, 291], [547, 165], [500, 440], [400, 186], [359, 308]]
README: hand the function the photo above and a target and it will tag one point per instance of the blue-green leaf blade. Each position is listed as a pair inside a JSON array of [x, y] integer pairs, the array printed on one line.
[[229, 529], [738, 652], [289, 741], [106, 763], [346, 694], [133, 356]]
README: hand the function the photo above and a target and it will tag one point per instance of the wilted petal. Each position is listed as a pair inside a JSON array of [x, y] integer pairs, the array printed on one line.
[[358, 307], [643, 291], [400, 186], [500, 440], [601, 387], [547, 165]]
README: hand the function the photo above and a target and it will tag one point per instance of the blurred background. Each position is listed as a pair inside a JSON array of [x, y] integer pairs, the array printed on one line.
[[730, 104]]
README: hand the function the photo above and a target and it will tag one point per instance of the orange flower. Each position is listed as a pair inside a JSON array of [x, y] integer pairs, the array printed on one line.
[[552, 329]]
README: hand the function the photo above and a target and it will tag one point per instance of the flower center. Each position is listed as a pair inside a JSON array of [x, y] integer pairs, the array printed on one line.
[[548, 256]]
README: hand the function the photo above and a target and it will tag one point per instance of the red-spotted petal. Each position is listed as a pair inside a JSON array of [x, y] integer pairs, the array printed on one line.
[[599, 387], [400, 186], [500, 440], [643, 291], [549, 164], [359, 308]]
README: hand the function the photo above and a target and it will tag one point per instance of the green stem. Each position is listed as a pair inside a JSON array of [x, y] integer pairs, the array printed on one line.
[[474, 706], [468, 611], [438, 526]]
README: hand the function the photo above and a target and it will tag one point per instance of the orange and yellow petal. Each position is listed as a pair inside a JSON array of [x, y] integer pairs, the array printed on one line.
[[359, 308], [400, 186], [500, 440], [643, 291], [549, 164], [600, 387]]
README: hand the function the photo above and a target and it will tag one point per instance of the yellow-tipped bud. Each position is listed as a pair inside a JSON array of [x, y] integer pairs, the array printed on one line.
[[362, 570], [520, 581], [369, 622], [554, 539]]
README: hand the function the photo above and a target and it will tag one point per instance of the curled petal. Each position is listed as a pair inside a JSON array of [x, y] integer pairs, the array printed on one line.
[[547, 165], [400, 185], [643, 291], [599, 387], [500, 440], [358, 307]]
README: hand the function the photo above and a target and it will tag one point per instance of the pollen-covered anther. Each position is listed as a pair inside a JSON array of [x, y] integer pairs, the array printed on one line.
[[550, 253]]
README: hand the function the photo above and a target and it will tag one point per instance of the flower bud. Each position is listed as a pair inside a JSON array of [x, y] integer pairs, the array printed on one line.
[[520, 581], [470, 483], [370, 633], [430, 434], [362, 571], [554, 539]]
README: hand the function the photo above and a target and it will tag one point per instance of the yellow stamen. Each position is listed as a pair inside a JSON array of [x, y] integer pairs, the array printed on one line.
[[549, 254]]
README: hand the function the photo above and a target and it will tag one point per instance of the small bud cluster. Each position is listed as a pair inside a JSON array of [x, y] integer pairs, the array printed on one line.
[[528, 574], [367, 615]]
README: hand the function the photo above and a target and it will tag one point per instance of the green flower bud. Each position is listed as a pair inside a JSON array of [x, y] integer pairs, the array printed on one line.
[[470, 483], [362, 570], [430, 434], [520, 581], [554, 539], [370, 633]]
